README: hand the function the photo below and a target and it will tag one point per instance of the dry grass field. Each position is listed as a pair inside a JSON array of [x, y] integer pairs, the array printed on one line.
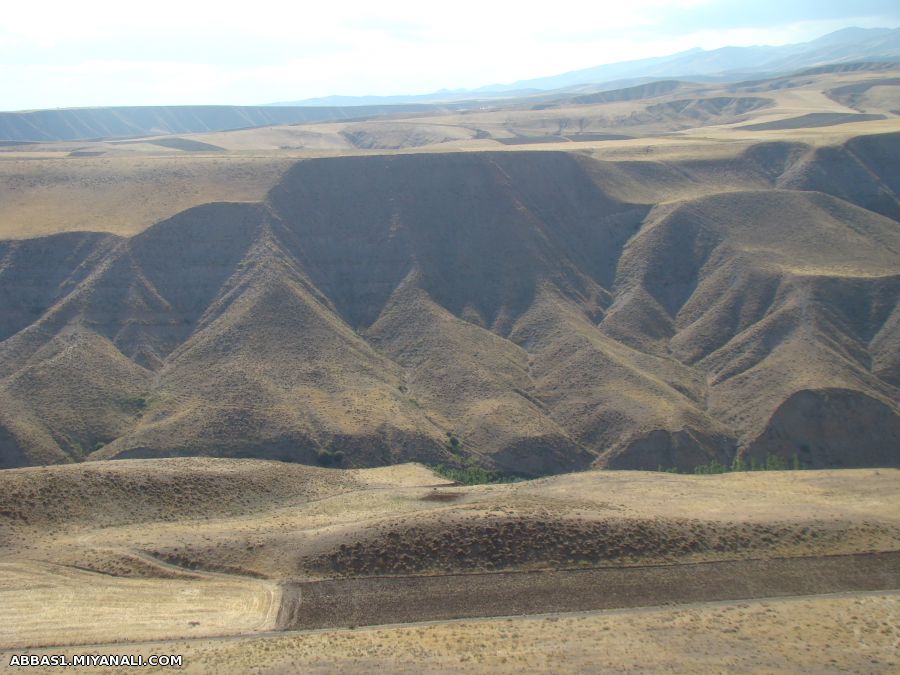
[[76, 607], [847, 633], [195, 547], [57, 193]]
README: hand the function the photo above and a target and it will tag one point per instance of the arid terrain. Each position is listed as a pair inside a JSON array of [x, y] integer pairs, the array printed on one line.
[[132, 551], [824, 634], [664, 275], [230, 362]]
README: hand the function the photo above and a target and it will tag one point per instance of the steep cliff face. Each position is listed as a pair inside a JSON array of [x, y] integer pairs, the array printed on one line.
[[373, 305]]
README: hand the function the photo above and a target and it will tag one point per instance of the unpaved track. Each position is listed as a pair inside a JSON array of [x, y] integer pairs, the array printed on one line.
[[386, 600]]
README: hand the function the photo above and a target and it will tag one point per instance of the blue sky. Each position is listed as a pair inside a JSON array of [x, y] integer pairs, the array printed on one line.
[[101, 52]]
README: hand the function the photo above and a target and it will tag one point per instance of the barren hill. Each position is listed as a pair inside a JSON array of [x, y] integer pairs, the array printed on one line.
[[550, 310]]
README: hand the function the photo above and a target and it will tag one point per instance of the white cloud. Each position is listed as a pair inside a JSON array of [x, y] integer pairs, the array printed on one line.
[[56, 23], [113, 83]]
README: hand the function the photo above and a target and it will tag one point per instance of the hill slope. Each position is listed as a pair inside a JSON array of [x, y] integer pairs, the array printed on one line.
[[545, 308]]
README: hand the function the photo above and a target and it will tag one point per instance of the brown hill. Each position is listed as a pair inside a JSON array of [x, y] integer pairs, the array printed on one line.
[[881, 93], [550, 310]]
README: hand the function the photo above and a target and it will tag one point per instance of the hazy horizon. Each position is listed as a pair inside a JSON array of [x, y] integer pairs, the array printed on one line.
[[92, 55]]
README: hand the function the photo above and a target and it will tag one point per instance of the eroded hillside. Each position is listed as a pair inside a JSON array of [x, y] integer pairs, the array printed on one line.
[[551, 310]]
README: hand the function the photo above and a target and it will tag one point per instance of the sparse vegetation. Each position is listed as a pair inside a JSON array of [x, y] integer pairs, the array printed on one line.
[[473, 473], [771, 463], [711, 467], [453, 444]]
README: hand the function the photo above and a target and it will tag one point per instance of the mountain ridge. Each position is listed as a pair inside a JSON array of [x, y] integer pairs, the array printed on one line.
[[847, 45], [372, 305]]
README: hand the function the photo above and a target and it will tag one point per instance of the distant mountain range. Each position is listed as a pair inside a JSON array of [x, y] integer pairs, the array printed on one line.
[[728, 63], [68, 124]]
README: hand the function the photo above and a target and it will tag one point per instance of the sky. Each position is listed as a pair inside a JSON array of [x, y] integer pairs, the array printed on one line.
[[57, 54]]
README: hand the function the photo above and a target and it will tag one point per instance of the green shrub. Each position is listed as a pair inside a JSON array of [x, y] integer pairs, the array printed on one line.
[[738, 464], [711, 467], [771, 463], [776, 463], [472, 473], [453, 445]]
